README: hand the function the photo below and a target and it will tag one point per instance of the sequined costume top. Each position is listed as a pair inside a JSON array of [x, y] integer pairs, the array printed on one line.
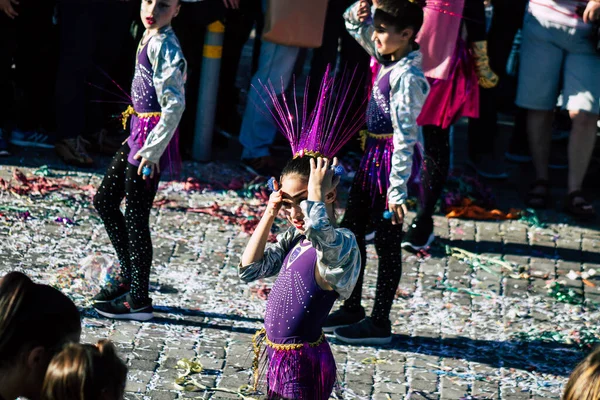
[[297, 306], [157, 90], [408, 89]]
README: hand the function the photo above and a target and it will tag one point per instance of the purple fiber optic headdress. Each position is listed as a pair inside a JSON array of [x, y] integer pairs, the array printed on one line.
[[328, 127]]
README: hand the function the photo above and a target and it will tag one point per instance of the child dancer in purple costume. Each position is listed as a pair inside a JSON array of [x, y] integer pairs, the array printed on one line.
[[316, 262], [379, 190], [157, 94]]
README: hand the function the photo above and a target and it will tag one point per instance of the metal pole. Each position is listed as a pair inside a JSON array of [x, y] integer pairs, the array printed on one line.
[[208, 92]]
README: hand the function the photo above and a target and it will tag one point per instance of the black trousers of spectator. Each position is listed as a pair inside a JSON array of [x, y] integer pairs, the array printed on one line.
[[190, 26], [27, 42], [238, 26], [92, 34], [483, 131]]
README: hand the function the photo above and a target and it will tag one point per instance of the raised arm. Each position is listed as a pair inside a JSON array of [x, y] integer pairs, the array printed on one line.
[[256, 261], [338, 258], [362, 31]]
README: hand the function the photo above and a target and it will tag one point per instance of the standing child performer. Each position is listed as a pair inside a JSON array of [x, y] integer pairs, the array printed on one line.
[[316, 262], [158, 102], [86, 372], [455, 63], [378, 194]]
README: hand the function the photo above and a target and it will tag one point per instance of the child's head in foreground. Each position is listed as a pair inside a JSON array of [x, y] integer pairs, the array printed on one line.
[[36, 321], [584, 382], [396, 23], [86, 372], [294, 187]]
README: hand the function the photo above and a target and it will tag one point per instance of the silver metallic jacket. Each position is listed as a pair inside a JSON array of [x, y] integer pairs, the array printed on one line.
[[408, 91], [338, 257], [169, 67]]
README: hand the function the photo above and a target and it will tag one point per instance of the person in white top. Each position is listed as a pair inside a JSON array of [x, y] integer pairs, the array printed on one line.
[[558, 54]]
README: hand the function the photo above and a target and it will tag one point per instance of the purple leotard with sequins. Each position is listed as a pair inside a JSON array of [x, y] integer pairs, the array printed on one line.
[[374, 171], [144, 98], [296, 310]]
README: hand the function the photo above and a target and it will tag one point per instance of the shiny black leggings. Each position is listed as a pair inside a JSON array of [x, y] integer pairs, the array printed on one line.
[[434, 169], [129, 233], [362, 213]]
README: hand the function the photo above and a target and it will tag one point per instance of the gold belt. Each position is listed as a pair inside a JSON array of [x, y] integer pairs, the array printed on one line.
[[364, 134], [260, 337], [131, 111]]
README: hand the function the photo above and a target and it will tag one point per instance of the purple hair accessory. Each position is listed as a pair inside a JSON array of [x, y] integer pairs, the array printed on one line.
[[323, 131]]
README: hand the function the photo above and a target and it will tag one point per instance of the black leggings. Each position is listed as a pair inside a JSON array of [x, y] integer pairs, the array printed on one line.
[[360, 214], [129, 233], [434, 170]]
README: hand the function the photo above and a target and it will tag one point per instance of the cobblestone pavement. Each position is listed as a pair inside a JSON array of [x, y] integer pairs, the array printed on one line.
[[463, 328]]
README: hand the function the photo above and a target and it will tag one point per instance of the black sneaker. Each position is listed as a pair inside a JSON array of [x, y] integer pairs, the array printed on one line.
[[419, 235], [111, 292], [342, 317], [125, 308], [365, 332]]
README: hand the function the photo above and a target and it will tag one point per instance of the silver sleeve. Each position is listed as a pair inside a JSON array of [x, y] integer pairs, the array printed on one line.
[[408, 94], [271, 263], [169, 79], [338, 257], [361, 31]]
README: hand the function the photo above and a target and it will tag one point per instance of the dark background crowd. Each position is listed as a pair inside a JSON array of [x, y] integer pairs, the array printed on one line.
[[66, 67]]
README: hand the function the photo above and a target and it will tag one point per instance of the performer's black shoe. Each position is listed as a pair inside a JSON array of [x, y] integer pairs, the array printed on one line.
[[125, 308], [365, 332], [342, 317], [111, 292], [420, 234]]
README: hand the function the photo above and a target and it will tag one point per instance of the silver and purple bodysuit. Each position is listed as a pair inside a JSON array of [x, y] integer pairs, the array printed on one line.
[[157, 94], [299, 363]]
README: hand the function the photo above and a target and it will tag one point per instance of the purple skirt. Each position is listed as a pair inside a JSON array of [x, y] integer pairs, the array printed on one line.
[[301, 371], [374, 171], [304, 374], [455, 97], [140, 129]]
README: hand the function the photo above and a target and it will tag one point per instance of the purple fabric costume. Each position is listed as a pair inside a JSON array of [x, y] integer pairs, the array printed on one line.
[[145, 101], [296, 310], [375, 166]]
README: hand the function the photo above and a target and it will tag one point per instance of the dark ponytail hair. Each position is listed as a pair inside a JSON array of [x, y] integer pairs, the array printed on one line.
[[33, 315], [85, 372], [401, 14], [297, 166]]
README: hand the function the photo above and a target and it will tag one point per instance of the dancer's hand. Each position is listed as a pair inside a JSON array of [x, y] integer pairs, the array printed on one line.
[[6, 6], [154, 168], [322, 179], [275, 200], [398, 212], [364, 11]]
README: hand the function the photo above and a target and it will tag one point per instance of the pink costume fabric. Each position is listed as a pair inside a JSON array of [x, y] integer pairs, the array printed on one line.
[[448, 66]]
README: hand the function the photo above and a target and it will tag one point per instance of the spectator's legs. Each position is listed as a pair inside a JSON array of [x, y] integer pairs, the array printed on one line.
[[581, 147], [238, 26], [539, 127], [190, 26], [7, 49], [31, 80], [76, 51], [258, 127]]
